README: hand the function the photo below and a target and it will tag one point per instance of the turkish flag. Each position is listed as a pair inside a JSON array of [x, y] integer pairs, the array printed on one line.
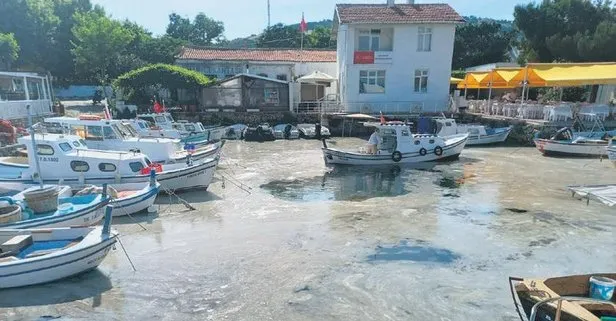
[[158, 108], [303, 26]]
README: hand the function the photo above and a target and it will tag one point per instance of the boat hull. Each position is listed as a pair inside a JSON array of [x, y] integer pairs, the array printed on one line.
[[135, 203], [555, 148], [611, 154], [87, 216], [499, 136], [179, 177], [72, 261], [450, 151]]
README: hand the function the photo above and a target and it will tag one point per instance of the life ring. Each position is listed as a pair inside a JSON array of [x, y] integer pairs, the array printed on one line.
[[423, 152], [396, 156], [438, 150]]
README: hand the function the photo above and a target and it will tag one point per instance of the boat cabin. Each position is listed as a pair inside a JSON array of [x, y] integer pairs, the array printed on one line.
[[398, 137], [114, 134], [67, 156], [144, 129], [186, 127], [162, 120]]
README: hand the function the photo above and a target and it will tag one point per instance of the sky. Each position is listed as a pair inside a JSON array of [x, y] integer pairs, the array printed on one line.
[[245, 17]]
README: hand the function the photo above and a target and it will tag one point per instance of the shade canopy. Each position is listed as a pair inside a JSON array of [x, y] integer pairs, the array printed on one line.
[[568, 75], [454, 80], [316, 77], [472, 80], [501, 78]]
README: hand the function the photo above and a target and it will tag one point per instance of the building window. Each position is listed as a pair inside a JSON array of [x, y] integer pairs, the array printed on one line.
[[421, 81], [424, 39], [372, 81], [282, 77], [369, 40], [80, 166]]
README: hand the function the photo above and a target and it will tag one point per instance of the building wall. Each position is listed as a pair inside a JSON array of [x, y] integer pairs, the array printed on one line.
[[399, 93]]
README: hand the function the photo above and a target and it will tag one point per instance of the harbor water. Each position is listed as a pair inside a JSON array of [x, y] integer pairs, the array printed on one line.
[[281, 237]]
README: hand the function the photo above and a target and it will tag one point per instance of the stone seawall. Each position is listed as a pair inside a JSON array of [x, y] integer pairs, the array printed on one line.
[[522, 134]]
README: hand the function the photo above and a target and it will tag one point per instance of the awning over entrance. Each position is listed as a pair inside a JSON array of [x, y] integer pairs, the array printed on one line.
[[316, 77]]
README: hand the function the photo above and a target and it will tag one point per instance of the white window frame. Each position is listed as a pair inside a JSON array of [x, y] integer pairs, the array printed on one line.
[[424, 39], [421, 74], [372, 34], [372, 77]]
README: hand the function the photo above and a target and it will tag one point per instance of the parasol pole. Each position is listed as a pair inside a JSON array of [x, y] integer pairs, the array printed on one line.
[[524, 83], [490, 92]]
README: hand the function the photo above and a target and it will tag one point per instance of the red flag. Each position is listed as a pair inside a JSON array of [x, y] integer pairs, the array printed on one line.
[[158, 108], [303, 26], [382, 119]]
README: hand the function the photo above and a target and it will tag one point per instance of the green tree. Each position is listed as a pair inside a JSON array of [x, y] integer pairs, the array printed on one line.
[[59, 61], [556, 30], [480, 43], [9, 50], [98, 46], [321, 37], [34, 24], [202, 31], [280, 36]]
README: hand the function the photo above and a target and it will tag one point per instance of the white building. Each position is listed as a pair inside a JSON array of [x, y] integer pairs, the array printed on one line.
[[280, 64], [21, 89], [395, 57]]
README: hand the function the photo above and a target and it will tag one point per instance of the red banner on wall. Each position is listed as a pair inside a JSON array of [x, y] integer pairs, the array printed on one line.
[[363, 57]]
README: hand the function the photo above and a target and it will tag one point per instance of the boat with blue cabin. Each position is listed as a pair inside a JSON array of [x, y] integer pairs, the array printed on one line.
[[477, 134]]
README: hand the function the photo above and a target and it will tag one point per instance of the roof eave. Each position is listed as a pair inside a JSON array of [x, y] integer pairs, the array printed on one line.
[[403, 22]]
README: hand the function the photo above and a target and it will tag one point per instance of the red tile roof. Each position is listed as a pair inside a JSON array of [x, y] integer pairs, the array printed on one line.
[[288, 55], [400, 13]]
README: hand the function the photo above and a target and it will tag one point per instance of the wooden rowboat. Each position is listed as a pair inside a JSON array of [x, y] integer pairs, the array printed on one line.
[[568, 292]]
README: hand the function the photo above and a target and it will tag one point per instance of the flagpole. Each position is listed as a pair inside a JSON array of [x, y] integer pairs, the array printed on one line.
[[303, 31]]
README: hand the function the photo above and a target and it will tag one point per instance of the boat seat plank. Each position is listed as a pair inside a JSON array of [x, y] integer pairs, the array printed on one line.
[[567, 306]]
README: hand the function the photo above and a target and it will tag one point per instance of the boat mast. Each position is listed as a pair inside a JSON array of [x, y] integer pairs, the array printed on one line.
[[34, 148]]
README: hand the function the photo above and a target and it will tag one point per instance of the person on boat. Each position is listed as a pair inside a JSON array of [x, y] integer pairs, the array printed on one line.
[[373, 141]]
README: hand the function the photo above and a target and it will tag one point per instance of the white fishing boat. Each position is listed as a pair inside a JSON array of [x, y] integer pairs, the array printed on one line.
[[566, 143], [477, 134], [36, 256], [188, 130], [113, 134], [398, 145], [17, 213], [286, 131], [65, 160]]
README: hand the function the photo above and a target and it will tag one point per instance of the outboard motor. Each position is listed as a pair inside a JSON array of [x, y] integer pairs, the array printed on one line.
[[287, 131]]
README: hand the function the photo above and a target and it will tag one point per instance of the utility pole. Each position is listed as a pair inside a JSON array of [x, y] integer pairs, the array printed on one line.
[[268, 15]]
